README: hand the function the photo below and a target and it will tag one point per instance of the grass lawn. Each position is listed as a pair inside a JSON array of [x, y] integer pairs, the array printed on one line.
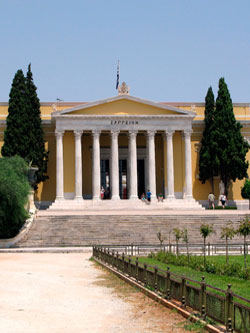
[[239, 286], [232, 259]]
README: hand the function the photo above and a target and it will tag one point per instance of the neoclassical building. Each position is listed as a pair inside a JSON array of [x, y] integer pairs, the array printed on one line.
[[126, 145]]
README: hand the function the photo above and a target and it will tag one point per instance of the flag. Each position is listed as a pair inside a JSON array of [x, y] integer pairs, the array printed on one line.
[[118, 75]]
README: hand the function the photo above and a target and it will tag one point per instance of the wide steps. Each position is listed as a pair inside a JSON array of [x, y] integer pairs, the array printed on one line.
[[86, 230]]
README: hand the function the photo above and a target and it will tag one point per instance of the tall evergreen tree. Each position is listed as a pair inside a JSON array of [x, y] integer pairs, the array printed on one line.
[[16, 141], [24, 134], [208, 163], [37, 153], [231, 147]]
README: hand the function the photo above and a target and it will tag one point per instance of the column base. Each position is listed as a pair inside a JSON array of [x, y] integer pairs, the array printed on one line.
[[78, 199], [96, 198], [115, 198], [170, 197], [59, 198], [133, 197]]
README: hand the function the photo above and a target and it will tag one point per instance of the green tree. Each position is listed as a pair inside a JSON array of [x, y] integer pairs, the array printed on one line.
[[227, 232], [37, 153], [177, 234], [16, 141], [205, 231], [208, 162], [24, 134], [245, 190], [14, 190], [231, 148], [244, 230]]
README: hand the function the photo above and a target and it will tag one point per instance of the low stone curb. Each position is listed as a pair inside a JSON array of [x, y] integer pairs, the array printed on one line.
[[9, 242], [161, 300], [47, 250]]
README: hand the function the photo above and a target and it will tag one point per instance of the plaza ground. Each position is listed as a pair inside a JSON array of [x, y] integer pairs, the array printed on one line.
[[66, 292]]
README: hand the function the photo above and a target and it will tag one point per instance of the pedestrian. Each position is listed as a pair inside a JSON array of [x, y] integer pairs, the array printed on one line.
[[148, 196], [223, 200], [160, 197], [102, 193], [143, 198], [211, 199]]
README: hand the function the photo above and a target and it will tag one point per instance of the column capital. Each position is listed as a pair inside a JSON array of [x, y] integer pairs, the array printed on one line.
[[169, 132], [150, 133], [96, 133], [78, 133], [187, 133], [59, 133], [114, 133], [132, 133]]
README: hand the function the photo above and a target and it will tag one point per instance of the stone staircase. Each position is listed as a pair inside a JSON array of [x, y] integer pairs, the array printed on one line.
[[86, 230]]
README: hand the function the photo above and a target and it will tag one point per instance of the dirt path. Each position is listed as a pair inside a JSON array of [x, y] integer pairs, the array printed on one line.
[[68, 293]]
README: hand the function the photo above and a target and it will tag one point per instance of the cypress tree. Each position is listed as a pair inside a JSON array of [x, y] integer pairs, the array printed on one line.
[[16, 141], [208, 163], [231, 147], [37, 153]]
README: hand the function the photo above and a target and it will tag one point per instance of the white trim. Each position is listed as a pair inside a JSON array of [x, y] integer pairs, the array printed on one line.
[[124, 97]]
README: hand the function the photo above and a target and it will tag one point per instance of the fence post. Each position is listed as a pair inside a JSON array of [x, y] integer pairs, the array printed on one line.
[[228, 309], [117, 260], [113, 258], [129, 265], [145, 275], [136, 269], [123, 264], [183, 292], [168, 284], [203, 297], [156, 279]]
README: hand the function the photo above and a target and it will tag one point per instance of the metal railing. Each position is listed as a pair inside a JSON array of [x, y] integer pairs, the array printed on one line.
[[224, 307], [194, 249]]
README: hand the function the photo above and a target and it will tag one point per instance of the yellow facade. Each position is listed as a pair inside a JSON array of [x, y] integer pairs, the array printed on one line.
[[47, 190]]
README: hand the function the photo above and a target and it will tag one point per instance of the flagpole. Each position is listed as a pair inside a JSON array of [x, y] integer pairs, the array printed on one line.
[[118, 75]]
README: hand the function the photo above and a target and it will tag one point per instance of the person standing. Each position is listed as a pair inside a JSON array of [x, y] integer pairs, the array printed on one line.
[[211, 199], [149, 196], [223, 200]]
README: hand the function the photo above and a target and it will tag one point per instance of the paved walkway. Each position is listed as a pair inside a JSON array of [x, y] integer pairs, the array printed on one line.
[[67, 293]]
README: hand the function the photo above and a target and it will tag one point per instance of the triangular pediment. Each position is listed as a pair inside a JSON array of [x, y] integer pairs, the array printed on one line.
[[124, 105]]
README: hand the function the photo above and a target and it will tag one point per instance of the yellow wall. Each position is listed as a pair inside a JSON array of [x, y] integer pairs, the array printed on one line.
[[123, 107], [47, 190]]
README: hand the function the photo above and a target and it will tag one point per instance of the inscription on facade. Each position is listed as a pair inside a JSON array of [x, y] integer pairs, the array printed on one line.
[[124, 122]]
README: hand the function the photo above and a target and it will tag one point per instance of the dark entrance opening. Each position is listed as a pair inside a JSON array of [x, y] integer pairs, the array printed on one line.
[[105, 178], [123, 179], [141, 177]]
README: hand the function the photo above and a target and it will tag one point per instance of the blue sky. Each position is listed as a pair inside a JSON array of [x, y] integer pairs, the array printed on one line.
[[169, 50]]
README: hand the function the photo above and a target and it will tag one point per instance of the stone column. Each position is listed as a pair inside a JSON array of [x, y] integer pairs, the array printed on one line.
[[115, 165], [133, 193], [151, 163], [78, 166], [59, 165], [96, 171], [170, 164], [188, 164]]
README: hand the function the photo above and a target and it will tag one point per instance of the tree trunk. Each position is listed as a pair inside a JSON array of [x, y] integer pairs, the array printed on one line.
[[226, 251], [249, 203], [245, 253], [212, 184], [204, 252]]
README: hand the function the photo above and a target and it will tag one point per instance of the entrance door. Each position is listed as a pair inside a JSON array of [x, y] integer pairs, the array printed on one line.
[[123, 179], [141, 177], [105, 178]]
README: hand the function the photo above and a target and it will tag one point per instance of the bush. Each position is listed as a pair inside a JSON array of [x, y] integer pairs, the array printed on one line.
[[196, 263], [14, 190]]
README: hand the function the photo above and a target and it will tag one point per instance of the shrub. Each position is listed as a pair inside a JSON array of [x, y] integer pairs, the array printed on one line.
[[196, 263], [14, 190]]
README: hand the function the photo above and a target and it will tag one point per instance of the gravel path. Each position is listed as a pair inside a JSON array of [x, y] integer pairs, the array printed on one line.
[[52, 292]]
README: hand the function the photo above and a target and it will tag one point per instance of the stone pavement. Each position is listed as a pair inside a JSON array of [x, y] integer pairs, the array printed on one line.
[[52, 292]]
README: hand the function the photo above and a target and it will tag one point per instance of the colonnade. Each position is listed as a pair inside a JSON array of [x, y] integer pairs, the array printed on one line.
[[132, 165]]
